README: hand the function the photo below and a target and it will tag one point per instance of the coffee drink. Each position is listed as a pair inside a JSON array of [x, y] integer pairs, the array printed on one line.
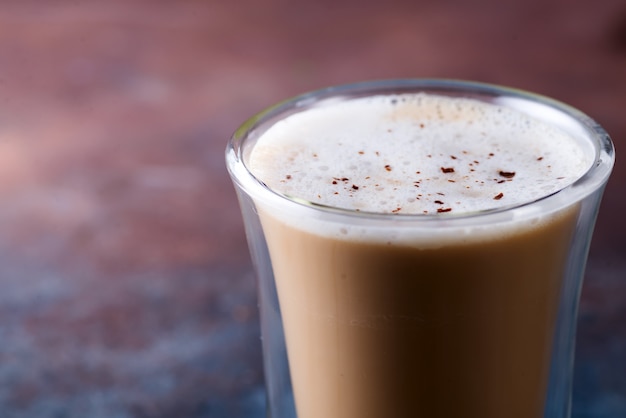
[[415, 290]]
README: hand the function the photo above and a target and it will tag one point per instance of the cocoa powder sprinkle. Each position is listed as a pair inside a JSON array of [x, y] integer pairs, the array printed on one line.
[[507, 174]]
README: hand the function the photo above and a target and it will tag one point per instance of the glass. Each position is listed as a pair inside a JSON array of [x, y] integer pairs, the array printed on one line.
[[485, 345]]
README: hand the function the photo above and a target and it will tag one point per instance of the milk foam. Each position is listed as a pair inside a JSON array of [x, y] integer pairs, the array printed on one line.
[[416, 154]]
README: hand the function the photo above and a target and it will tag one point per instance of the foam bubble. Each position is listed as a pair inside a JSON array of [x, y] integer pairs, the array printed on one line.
[[416, 154]]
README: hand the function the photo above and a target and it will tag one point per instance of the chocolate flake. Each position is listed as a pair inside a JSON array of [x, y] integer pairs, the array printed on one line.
[[288, 176], [388, 167], [447, 169], [443, 210], [507, 174], [439, 202], [355, 187], [498, 196]]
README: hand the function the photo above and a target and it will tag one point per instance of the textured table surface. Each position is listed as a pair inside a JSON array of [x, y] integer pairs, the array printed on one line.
[[126, 286]]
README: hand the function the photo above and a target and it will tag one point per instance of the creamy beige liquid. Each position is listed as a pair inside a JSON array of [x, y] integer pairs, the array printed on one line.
[[417, 322]]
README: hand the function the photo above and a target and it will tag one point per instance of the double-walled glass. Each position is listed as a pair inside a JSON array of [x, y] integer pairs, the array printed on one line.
[[434, 316]]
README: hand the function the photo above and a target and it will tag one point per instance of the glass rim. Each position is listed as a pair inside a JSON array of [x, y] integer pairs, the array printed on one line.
[[594, 178]]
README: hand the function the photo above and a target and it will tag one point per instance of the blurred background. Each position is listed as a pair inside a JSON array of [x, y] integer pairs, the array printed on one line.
[[126, 288]]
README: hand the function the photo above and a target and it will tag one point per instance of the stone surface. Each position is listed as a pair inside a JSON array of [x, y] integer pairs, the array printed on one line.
[[127, 289]]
